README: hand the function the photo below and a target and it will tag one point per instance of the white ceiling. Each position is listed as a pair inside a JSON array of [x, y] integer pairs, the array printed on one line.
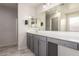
[[33, 4]]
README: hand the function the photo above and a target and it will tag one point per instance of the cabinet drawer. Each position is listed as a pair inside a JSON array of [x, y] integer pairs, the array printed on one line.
[[68, 44], [53, 40], [43, 38], [63, 42]]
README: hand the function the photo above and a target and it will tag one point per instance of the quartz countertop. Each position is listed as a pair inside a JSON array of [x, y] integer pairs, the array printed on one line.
[[68, 36]]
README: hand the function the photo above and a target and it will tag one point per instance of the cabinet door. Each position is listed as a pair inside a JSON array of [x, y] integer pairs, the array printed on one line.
[[52, 49], [31, 42], [28, 41], [36, 38], [42, 47]]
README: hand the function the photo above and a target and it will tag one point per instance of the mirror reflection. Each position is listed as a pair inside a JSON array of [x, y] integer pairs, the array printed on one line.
[[63, 17]]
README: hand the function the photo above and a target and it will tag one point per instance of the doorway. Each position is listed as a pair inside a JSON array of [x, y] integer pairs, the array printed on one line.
[[54, 24], [8, 24]]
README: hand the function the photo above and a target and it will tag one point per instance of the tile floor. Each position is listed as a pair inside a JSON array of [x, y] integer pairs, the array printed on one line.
[[13, 51]]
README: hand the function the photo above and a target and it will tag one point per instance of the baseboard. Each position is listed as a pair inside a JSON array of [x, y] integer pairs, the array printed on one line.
[[9, 46]]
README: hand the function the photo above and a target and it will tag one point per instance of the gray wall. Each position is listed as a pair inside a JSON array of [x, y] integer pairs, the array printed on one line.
[[8, 30]]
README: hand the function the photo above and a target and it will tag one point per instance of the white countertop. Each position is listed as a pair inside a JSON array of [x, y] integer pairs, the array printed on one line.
[[68, 36]]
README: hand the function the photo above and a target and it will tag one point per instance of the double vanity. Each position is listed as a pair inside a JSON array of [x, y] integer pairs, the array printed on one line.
[[45, 43]]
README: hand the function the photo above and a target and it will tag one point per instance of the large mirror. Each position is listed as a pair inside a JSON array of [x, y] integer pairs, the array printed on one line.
[[63, 17]]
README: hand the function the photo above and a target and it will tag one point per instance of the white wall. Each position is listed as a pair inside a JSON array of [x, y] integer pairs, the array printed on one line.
[[24, 10]]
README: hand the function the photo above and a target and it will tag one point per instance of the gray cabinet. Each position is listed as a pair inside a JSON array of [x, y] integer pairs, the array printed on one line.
[[36, 46], [52, 49], [42, 46], [28, 40], [31, 42]]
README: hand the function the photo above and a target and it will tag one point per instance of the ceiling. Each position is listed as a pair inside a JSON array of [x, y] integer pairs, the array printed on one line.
[[15, 5], [9, 5], [33, 4]]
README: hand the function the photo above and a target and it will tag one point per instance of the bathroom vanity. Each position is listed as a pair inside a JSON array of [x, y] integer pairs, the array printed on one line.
[[45, 43]]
